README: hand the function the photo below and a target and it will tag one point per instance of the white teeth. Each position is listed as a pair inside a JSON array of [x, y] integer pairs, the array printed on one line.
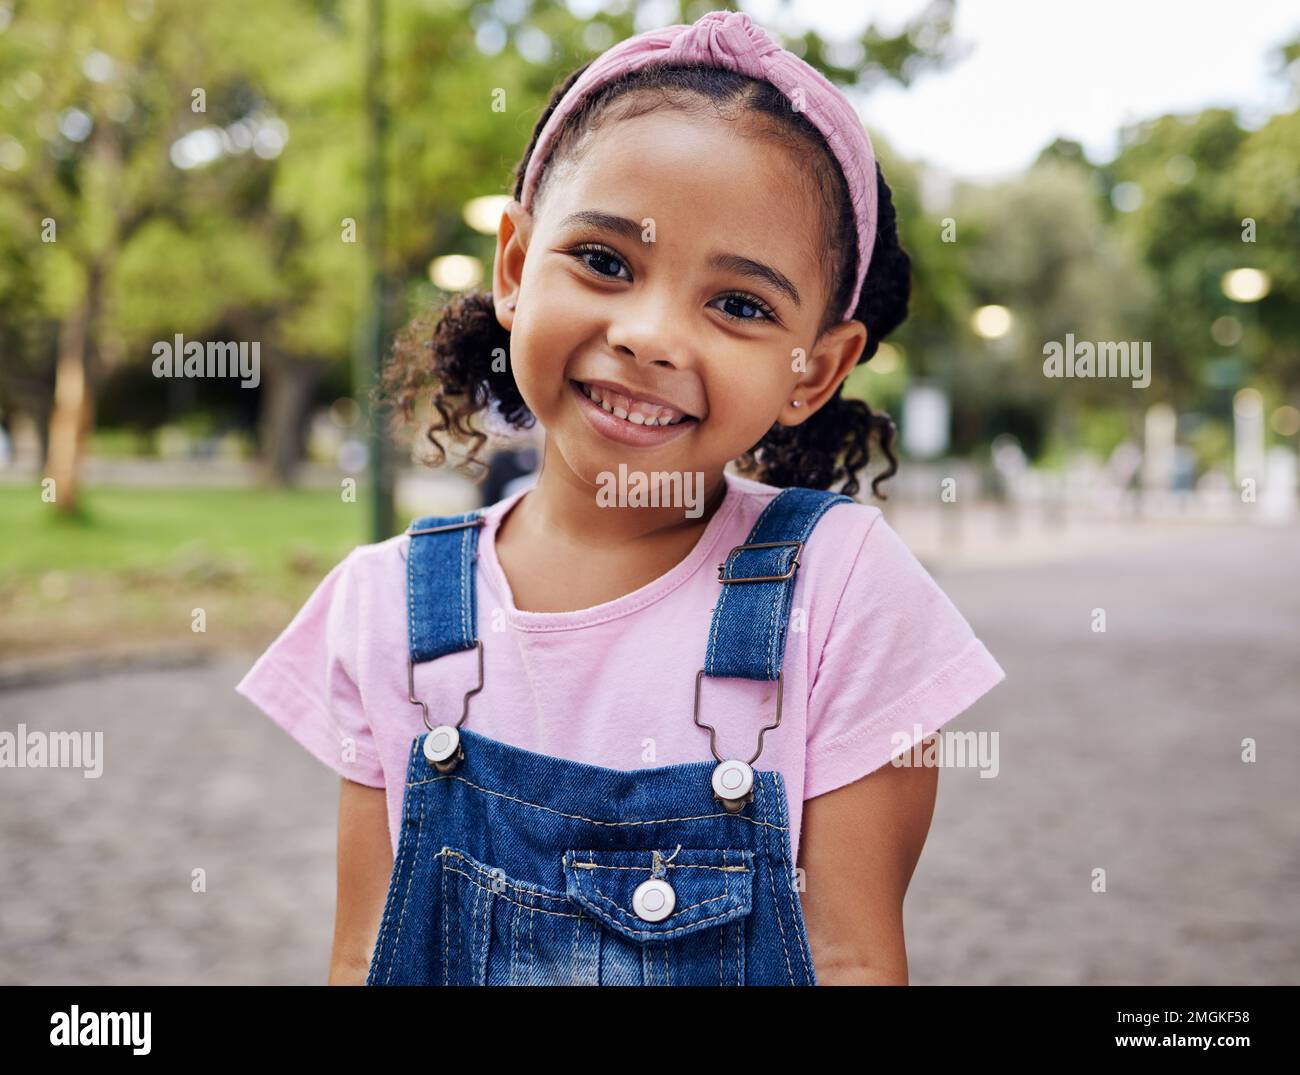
[[635, 417]]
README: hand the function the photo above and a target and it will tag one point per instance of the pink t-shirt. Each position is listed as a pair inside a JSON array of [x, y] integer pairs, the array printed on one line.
[[874, 648]]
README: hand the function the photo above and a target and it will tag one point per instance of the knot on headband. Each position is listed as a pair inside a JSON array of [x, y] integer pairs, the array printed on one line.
[[728, 39], [724, 39]]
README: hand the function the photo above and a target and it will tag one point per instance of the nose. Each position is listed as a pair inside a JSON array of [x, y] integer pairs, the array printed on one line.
[[651, 328]]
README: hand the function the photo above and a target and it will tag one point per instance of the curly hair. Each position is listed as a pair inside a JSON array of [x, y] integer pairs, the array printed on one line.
[[461, 351]]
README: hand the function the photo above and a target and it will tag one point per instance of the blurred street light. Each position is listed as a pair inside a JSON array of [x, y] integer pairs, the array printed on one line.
[[1245, 285], [455, 272], [484, 214], [991, 322], [1286, 421]]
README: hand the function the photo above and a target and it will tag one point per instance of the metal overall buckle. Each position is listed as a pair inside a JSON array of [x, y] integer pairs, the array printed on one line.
[[733, 779], [794, 563], [442, 746]]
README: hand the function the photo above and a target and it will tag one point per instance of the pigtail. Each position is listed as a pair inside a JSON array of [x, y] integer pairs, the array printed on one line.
[[461, 353]]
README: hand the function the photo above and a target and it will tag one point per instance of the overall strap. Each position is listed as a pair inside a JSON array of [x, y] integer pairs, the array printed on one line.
[[441, 610], [747, 636]]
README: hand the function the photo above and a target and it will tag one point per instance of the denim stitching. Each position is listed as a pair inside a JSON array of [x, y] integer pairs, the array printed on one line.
[[598, 894], [740, 952], [771, 630], [592, 820], [573, 950], [488, 897], [410, 600], [674, 866], [445, 924], [477, 884], [791, 896], [403, 848], [522, 889], [418, 817], [514, 946], [532, 943], [464, 618], [736, 927], [614, 903], [469, 958], [464, 590], [710, 662], [774, 610], [720, 610], [666, 934], [772, 885]]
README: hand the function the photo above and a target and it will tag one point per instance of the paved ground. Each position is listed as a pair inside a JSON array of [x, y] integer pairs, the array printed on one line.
[[1118, 751]]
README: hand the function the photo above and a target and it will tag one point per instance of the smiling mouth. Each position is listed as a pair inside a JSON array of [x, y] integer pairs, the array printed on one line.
[[634, 412]]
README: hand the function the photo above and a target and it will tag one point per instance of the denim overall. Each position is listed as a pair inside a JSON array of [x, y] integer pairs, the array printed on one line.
[[518, 868]]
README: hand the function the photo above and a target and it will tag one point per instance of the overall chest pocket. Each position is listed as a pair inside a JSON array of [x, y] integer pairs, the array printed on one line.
[[607, 927], [670, 916]]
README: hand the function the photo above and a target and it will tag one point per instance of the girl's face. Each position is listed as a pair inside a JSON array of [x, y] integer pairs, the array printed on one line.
[[675, 260]]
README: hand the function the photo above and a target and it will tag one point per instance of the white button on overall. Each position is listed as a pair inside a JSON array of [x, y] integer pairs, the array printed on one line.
[[654, 900], [441, 743], [732, 779]]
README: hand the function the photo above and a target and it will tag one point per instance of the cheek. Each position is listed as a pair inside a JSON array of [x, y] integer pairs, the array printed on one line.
[[746, 393], [542, 341]]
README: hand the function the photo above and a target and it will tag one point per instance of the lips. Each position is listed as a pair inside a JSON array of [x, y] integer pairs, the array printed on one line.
[[623, 430]]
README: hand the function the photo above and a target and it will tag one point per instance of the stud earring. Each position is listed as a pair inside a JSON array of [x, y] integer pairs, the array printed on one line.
[[796, 403], [510, 304]]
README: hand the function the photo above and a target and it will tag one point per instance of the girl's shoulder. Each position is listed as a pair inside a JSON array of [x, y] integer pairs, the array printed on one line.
[[381, 556], [856, 566], [841, 530]]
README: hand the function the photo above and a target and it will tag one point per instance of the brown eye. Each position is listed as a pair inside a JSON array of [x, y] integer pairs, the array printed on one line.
[[599, 256], [742, 302]]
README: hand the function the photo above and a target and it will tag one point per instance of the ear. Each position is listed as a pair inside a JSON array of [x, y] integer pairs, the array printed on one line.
[[832, 359], [514, 233]]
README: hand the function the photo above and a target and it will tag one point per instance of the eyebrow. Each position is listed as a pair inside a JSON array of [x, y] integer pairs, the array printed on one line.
[[742, 266]]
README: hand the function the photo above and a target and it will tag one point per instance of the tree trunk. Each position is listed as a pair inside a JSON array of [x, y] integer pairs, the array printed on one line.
[[282, 424], [73, 415]]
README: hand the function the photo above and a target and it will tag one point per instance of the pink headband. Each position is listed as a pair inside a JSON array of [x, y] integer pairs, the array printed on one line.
[[728, 39]]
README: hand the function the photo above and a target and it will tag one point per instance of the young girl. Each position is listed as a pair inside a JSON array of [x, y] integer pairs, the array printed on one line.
[[571, 750]]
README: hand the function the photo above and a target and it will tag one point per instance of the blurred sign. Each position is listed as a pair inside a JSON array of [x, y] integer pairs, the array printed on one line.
[[1158, 459], [1248, 436], [1278, 504], [925, 421]]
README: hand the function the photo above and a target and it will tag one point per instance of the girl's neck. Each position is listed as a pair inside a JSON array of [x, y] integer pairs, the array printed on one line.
[[566, 509]]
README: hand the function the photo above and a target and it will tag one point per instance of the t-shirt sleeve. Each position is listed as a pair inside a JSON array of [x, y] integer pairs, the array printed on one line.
[[306, 681], [899, 662]]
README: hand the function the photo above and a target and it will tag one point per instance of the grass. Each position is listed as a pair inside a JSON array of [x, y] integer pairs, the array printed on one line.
[[135, 563]]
